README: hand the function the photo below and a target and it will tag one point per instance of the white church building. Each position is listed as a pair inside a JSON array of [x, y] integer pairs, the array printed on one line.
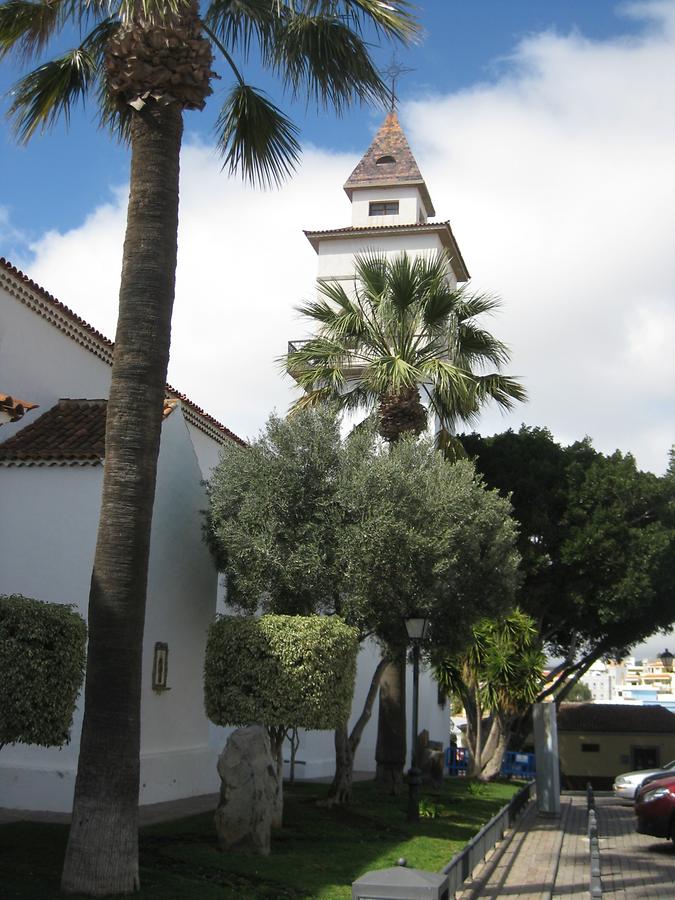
[[51, 454]]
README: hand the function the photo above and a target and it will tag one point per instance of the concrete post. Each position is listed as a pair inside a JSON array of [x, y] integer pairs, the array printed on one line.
[[546, 752]]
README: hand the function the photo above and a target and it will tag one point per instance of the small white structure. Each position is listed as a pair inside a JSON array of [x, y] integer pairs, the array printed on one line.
[[51, 477]]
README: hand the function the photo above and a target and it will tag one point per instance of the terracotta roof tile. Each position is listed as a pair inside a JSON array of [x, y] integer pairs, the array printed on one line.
[[70, 433], [16, 409], [613, 717], [63, 318], [389, 161]]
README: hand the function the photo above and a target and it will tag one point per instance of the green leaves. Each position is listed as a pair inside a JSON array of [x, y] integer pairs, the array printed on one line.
[[26, 27], [50, 91], [255, 138], [280, 671], [42, 659]]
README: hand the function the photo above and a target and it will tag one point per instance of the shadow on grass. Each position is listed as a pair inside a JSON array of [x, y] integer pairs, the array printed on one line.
[[317, 854]]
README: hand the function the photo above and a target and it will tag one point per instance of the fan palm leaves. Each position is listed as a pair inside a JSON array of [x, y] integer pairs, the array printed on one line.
[[400, 335], [316, 48]]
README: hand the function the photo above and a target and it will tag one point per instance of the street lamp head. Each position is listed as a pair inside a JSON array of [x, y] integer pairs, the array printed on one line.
[[667, 658], [416, 626]]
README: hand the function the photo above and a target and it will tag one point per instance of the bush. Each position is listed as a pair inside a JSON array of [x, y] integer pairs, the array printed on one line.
[[42, 660], [280, 671]]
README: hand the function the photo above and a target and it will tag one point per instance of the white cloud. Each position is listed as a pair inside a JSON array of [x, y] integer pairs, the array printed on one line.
[[560, 185]]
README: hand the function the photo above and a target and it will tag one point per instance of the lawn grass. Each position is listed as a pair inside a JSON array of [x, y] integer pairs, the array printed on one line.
[[317, 854]]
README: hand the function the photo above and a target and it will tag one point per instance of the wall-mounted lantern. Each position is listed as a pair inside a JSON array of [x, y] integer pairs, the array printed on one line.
[[160, 667]]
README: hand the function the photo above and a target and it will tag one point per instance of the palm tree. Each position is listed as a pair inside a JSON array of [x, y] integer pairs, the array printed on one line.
[[403, 335], [146, 61]]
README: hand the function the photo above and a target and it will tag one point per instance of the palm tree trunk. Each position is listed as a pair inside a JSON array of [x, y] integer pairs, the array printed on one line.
[[390, 751], [102, 853]]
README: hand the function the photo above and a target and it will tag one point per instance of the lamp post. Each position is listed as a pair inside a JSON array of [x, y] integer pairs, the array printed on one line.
[[416, 626]]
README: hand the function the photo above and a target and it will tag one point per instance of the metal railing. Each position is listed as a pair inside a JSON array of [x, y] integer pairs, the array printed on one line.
[[463, 863], [595, 882]]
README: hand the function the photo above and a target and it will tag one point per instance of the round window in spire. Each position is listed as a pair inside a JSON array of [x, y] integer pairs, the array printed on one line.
[[385, 161]]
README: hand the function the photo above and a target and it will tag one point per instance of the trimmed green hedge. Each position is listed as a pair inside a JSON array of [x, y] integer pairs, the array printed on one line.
[[42, 661], [280, 671]]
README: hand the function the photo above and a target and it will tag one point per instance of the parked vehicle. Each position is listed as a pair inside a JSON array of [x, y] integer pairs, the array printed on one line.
[[626, 785], [655, 808]]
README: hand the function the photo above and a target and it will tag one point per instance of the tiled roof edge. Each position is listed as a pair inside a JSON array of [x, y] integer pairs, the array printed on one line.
[[35, 297]]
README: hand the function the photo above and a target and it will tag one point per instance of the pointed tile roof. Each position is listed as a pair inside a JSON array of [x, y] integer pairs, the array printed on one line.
[[389, 162], [70, 433]]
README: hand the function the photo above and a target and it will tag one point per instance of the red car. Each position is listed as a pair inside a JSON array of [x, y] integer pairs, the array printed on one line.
[[655, 807]]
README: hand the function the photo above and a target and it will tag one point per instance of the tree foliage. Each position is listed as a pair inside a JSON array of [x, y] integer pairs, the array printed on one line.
[[303, 521], [280, 671], [42, 657], [597, 538], [274, 516], [421, 535]]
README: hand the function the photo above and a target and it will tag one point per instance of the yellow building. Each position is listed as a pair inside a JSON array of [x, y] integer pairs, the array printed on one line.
[[598, 741]]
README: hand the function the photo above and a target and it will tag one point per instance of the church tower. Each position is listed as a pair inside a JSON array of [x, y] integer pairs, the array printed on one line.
[[391, 207]]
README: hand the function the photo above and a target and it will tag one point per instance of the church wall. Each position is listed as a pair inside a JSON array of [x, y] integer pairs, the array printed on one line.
[[176, 760], [336, 256], [47, 541], [410, 209], [40, 364]]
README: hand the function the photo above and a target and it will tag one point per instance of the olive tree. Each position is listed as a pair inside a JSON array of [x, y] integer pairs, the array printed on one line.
[[303, 521]]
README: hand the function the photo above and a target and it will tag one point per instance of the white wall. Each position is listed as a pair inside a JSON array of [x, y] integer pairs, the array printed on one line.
[[40, 364], [410, 208], [336, 255], [176, 759], [47, 541]]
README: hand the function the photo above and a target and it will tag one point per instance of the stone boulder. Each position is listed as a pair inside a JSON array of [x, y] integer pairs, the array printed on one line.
[[247, 792], [430, 760]]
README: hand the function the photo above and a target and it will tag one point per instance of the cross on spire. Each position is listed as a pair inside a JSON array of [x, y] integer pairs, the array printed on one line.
[[394, 70]]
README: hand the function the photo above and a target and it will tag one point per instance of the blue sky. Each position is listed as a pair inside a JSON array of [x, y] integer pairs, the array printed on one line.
[[59, 177]]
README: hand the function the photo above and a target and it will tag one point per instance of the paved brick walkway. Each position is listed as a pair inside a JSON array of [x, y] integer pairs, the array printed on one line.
[[548, 859]]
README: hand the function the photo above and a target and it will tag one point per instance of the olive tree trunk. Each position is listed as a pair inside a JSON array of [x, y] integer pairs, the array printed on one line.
[[390, 752], [346, 745], [102, 852]]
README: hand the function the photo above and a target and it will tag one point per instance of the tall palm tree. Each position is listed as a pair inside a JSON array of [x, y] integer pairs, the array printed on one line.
[[146, 61], [402, 335]]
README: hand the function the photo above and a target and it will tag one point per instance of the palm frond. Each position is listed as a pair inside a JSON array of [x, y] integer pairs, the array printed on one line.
[[255, 138], [152, 10], [391, 18], [27, 27], [474, 345], [322, 58], [505, 390], [50, 91], [239, 22], [470, 305]]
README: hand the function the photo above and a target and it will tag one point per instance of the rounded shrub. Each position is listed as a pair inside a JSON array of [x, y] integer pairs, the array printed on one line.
[[280, 671], [42, 661]]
